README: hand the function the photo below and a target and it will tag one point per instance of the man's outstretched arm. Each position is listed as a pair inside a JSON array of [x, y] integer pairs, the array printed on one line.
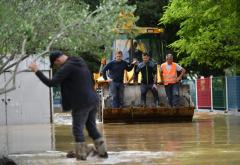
[[60, 75]]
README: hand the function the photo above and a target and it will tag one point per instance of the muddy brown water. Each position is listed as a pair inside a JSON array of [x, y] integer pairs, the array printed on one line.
[[210, 139]]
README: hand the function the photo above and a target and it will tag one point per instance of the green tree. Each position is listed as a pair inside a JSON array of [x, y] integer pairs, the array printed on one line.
[[149, 11], [33, 27], [92, 3], [209, 34]]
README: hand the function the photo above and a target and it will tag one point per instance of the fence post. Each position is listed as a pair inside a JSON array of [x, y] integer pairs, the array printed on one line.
[[196, 94], [211, 86], [226, 83]]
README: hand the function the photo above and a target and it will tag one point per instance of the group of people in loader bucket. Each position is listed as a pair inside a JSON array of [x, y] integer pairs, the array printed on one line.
[[113, 73]]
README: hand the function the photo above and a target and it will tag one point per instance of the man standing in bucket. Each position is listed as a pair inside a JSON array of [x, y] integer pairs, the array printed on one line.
[[116, 70], [79, 96], [170, 79], [149, 79]]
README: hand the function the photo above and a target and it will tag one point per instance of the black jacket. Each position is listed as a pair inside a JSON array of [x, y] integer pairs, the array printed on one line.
[[116, 70], [148, 70], [76, 84]]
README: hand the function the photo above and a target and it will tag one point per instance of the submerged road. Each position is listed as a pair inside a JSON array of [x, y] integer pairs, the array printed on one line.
[[210, 139]]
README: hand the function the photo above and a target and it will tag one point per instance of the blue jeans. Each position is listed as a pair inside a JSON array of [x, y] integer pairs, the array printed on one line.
[[144, 90], [116, 92], [172, 91], [85, 117]]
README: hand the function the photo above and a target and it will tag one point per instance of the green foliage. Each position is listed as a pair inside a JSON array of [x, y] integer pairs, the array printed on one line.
[[209, 31], [78, 28], [149, 12], [92, 3]]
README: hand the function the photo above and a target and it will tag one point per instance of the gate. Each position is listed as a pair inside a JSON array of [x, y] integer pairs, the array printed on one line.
[[29, 103]]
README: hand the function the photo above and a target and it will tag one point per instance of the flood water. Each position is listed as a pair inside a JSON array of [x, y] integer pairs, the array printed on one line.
[[210, 139]]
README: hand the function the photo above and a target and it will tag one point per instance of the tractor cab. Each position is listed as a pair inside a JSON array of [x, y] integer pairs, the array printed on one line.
[[147, 42]]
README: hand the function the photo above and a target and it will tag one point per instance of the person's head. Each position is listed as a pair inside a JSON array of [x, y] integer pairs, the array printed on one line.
[[169, 58], [57, 58], [119, 56], [135, 44], [145, 57], [6, 161]]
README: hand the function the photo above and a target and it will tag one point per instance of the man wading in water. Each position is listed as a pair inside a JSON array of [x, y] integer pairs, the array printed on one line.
[[79, 96]]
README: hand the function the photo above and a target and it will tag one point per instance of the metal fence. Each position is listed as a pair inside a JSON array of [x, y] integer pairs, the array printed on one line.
[[216, 93], [219, 93], [233, 93]]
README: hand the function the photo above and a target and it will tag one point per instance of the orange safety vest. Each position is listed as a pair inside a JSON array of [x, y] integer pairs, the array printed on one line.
[[169, 76]]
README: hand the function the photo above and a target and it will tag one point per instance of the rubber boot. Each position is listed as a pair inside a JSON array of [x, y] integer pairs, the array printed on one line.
[[81, 151], [91, 150], [101, 147]]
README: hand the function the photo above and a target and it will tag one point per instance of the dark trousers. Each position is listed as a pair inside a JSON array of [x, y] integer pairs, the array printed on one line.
[[144, 89], [116, 92], [172, 91], [85, 117]]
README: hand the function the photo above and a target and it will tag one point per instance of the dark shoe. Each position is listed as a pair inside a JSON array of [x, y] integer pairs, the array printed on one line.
[[71, 154], [105, 155], [157, 104], [143, 105], [176, 106]]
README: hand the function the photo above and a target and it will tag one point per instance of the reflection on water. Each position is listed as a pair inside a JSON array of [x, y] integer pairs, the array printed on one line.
[[209, 139]]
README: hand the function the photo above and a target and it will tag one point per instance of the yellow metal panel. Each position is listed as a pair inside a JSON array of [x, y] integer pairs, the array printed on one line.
[[158, 74], [129, 75]]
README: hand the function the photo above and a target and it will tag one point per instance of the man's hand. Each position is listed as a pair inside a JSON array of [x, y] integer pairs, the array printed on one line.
[[161, 82], [109, 80], [128, 82], [134, 62], [154, 86], [178, 79], [33, 66]]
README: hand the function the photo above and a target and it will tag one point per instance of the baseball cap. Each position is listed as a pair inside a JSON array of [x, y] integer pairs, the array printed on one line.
[[53, 56]]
